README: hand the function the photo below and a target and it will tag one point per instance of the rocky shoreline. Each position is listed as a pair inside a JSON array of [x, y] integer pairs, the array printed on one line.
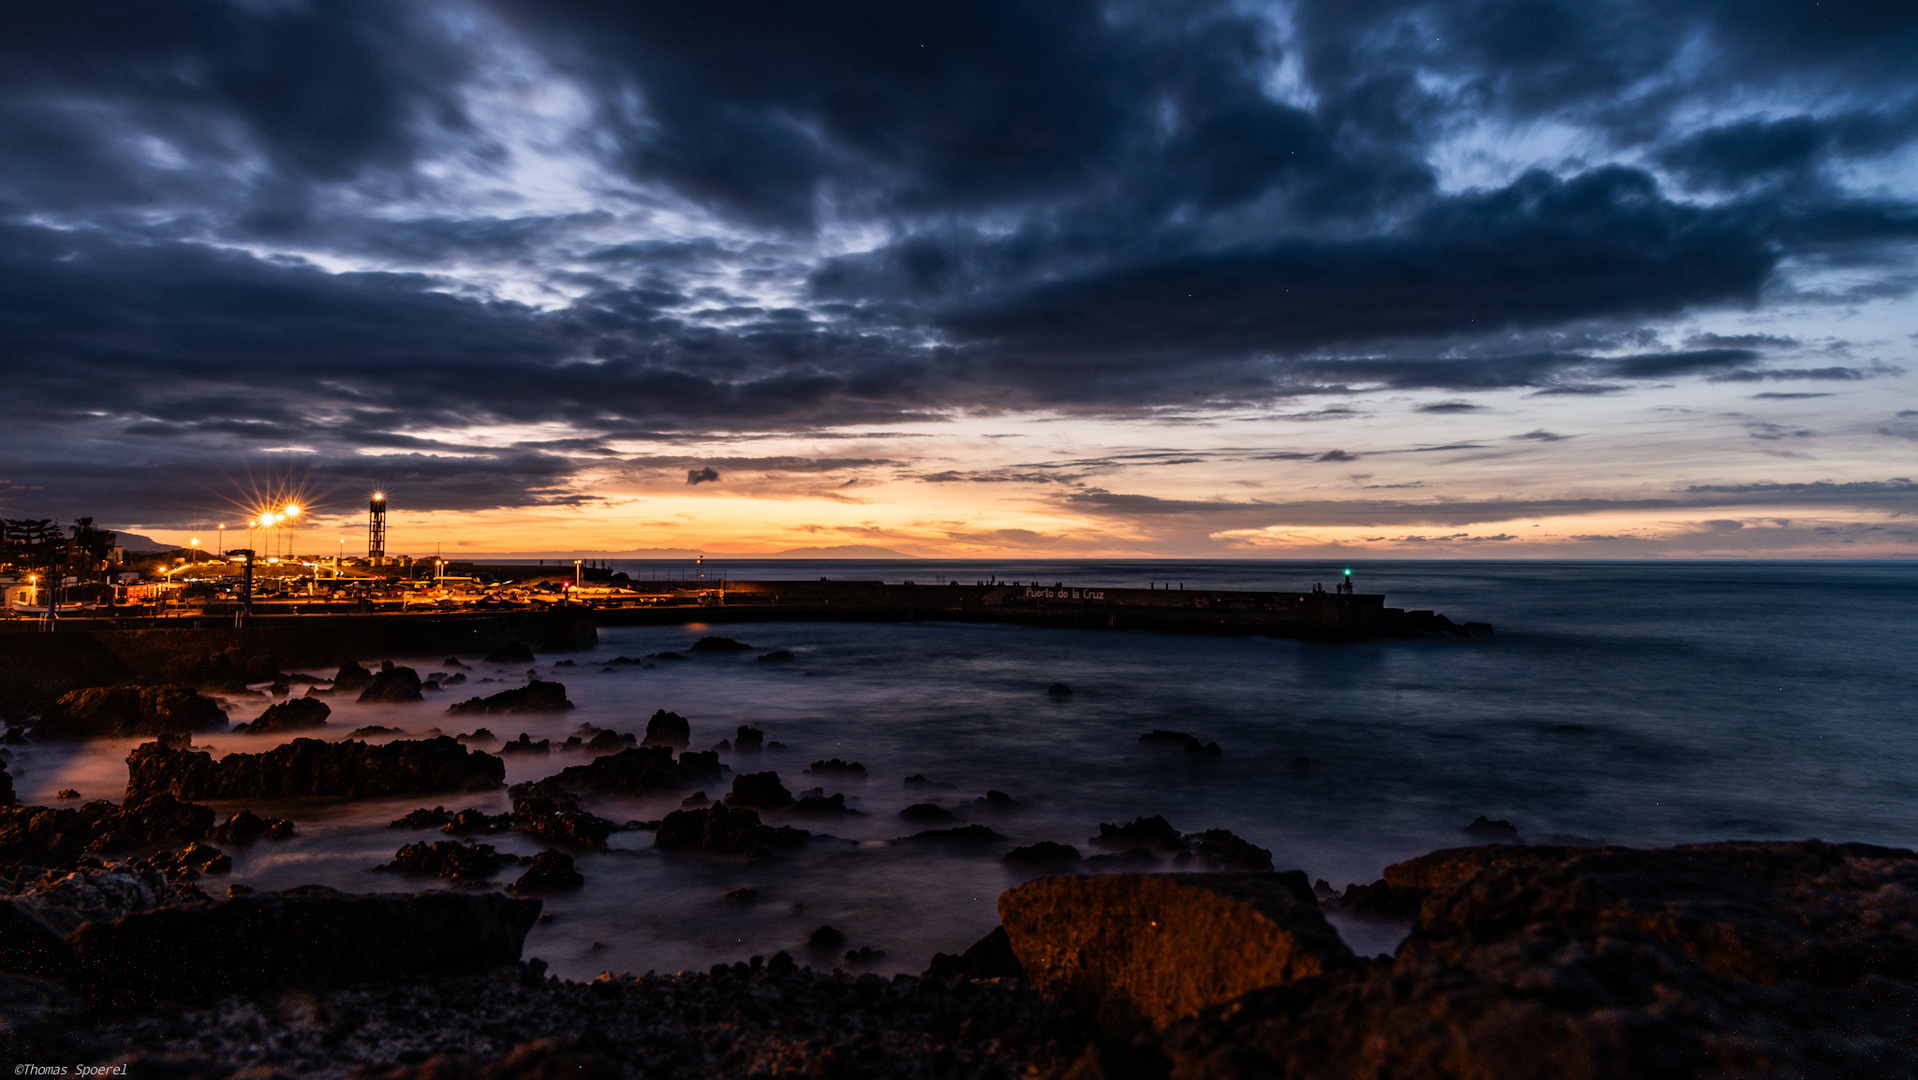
[[1736, 959]]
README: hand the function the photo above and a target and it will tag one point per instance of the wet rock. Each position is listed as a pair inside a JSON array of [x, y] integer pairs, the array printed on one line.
[[309, 938], [550, 871], [777, 656], [472, 820], [535, 697], [643, 770], [865, 954], [43, 836], [448, 859], [154, 818], [995, 802], [664, 656], [190, 862], [423, 819], [668, 729], [833, 806], [452, 662], [1492, 832], [724, 830], [393, 685], [351, 679], [122, 711], [63, 793], [244, 826], [1153, 833], [1043, 855], [991, 957], [964, 836], [1702, 960], [481, 735], [7, 796], [308, 767], [606, 741], [697, 798], [846, 770], [374, 731], [525, 745], [1144, 950], [749, 740], [719, 645], [513, 652], [825, 937], [761, 791], [701, 767], [556, 817], [918, 780], [1058, 689], [926, 813], [1221, 850], [299, 714]]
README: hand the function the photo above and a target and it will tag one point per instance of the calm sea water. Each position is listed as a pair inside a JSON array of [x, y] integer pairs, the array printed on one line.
[[1718, 701]]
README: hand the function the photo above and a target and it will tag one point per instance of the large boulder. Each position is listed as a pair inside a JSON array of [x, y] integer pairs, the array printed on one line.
[[668, 729], [393, 685], [310, 767], [1747, 959], [547, 811], [42, 836], [122, 711], [760, 790], [642, 770], [351, 679], [1143, 950], [535, 697], [310, 938], [299, 714]]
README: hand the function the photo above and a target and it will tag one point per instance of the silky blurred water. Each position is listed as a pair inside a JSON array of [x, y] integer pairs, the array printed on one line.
[[1717, 700]]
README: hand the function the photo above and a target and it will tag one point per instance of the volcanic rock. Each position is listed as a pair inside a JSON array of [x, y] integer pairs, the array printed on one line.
[[121, 711], [719, 645], [190, 862], [535, 697], [1702, 960], [448, 859], [551, 871], [926, 813], [306, 767], [750, 740], [511, 653], [723, 830], [833, 806], [310, 938], [825, 937], [477, 735], [1144, 950], [1043, 855], [918, 780], [1179, 740], [761, 791], [1154, 833], [299, 714], [834, 767], [374, 731], [553, 815], [995, 802], [668, 729], [472, 820], [777, 656], [642, 770], [393, 685], [991, 957], [1221, 850], [244, 825], [607, 741], [352, 679], [525, 745]]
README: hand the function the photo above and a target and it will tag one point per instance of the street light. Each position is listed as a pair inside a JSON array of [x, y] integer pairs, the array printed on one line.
[[195, 542]]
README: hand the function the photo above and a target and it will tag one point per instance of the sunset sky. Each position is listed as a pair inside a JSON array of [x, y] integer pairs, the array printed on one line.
[[1485, 278]]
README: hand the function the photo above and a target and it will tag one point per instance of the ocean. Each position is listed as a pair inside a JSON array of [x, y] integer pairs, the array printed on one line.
[[1635, 703]]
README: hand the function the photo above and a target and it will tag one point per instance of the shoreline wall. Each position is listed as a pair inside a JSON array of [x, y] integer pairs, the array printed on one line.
[[37, 667]]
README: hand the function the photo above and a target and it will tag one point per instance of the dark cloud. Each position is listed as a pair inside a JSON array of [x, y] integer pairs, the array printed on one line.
[[1541, 435], [699, 476], [232, 229], [1776, 396]]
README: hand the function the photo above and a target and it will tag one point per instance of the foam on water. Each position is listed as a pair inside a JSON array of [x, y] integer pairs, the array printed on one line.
[[1717, 701]]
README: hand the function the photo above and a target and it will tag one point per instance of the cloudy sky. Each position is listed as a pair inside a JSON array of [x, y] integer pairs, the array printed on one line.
[[1568, 278]]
